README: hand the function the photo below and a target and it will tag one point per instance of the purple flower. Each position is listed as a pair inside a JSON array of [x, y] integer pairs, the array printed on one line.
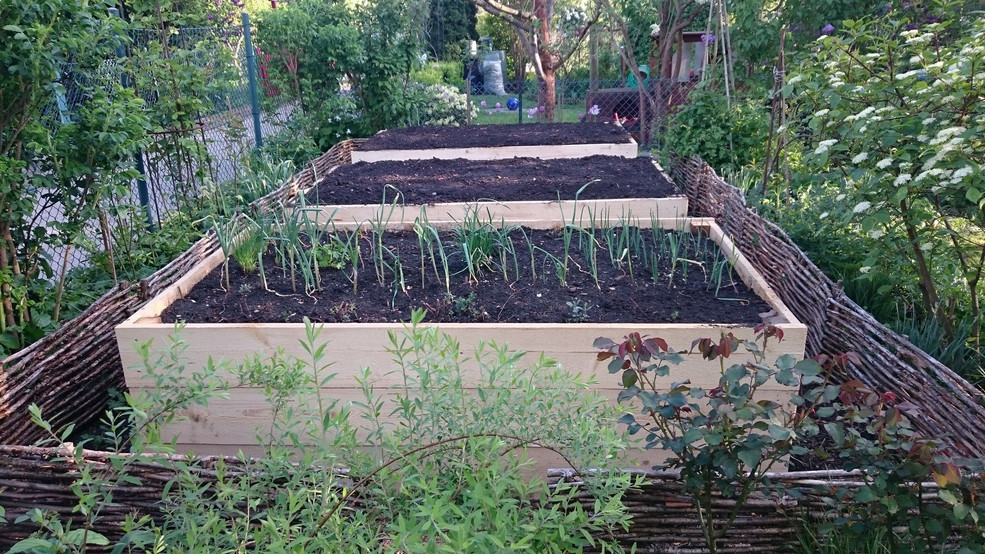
[[498, 105], [911, 27], [828, 29], [594, 110], [531, 112], [708, 39], [483, 103], [540, 109], [581, 116]]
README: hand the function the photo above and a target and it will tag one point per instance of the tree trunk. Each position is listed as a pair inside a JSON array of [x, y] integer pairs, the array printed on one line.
[[548, 61], [545, 94], [5, 267], [931, 301]]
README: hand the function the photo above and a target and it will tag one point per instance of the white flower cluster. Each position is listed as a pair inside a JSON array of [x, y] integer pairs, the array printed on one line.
[[574, 17], [443, 105], [945, 135], [824, 145], [939, 174], [861, 115], [908, 74], [962, 173]]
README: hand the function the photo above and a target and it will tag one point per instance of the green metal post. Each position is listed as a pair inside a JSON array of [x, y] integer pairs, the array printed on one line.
[[519, 100], [138, 156], [251, 72]]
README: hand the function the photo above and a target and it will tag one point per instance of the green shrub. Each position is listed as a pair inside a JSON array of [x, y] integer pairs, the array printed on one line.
[[440, 73], [439, 105], [725, 137], [447, 473]]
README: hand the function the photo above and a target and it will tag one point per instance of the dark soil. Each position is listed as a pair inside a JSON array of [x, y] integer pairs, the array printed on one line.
[[458, 180], [471, 136], [519, 297]]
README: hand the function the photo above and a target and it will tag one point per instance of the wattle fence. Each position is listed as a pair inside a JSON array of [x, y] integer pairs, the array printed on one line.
[[69, 373]]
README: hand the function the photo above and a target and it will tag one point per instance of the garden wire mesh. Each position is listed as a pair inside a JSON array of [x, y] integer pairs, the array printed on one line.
[[213, 150], [579, 100]]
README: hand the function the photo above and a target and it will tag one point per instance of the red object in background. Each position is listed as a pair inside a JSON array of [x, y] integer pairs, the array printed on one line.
[[273, 4], [264, 64]]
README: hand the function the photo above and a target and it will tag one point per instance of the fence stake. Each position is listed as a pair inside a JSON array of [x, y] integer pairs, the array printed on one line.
[[519, 102], [138, 156], [251, 72]]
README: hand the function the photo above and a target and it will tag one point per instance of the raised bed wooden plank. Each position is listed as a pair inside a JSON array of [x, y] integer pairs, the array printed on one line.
[[625, 150], [569, 343]]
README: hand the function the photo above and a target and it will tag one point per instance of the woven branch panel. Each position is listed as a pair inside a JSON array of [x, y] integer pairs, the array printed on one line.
[[951, 409], [68, 373], [664, 520]]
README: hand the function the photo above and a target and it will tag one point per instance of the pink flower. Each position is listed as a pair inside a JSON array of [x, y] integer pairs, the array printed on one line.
[[498, 105], [483, 103]]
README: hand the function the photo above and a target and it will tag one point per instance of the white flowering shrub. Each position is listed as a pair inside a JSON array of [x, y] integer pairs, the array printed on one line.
[[439, 105], [896, 110]]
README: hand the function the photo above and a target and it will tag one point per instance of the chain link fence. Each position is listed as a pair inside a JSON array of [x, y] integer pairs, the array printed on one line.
[[186, 154], [577, 100]]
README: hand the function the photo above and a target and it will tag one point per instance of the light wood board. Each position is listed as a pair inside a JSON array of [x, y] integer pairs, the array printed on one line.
[[625, 150], [351, 347]]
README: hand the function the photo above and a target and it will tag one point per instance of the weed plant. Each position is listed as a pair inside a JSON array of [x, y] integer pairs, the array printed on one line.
[[445, 471]]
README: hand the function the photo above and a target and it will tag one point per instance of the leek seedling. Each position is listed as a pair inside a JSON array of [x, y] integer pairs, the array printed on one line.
[[533, 257], [379, 226], [225, 232], [249, 245]]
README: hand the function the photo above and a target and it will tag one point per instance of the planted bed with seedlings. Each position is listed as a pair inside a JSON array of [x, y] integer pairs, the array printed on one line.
[[550, 286], [477, 271]]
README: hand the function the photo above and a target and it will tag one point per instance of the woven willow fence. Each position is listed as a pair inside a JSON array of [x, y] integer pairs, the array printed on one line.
[[67, 375], [950, 408]]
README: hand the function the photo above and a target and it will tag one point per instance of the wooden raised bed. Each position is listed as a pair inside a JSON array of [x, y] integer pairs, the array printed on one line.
[[447, 189], [495, 142], [228, 426]]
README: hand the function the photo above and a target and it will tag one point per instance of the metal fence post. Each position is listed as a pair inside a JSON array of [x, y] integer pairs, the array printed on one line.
[[138, 156], [519, 101], [251, 72]]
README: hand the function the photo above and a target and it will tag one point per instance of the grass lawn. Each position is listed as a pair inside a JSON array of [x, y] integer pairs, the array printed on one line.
[[566, 113]]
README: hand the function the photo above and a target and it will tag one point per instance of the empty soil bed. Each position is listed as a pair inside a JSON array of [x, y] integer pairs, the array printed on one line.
[[482, 136], [530, 292], [458, 180]]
